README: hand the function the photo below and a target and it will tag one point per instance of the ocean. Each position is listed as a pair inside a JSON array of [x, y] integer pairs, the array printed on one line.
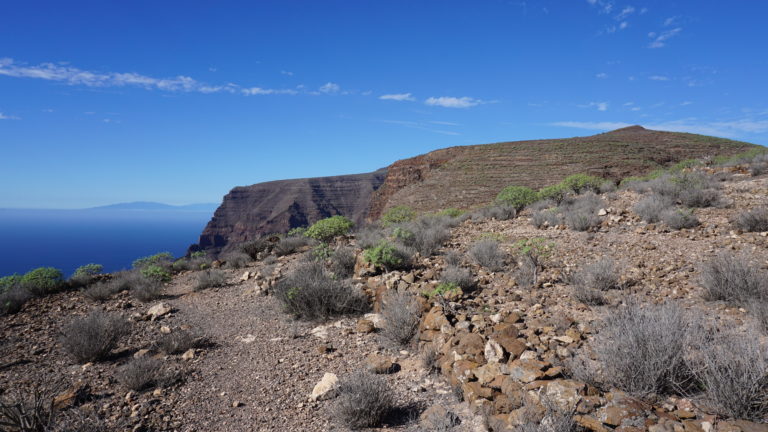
[[67, 239]]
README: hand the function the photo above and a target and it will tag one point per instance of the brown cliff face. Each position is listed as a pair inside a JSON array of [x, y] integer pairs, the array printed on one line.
[[469, 176], [249, 212]]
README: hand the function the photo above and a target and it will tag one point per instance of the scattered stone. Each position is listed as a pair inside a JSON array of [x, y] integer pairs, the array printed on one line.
[[189, 354], [380, 364], [365, 326], [438, 418], [158, 310], [325, 388]]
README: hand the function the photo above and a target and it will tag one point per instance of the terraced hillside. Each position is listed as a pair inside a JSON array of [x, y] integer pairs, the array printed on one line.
[[468, 176]]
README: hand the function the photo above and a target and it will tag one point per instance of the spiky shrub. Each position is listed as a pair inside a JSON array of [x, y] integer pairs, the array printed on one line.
[[163, 259], [651, 207], [364, 400], [141, 373], [388, 256], [398, 214], [236, 260], [210, 279], [12, 300], [517, 197], [342, 262], [732, 367], [43, 280], [93, 337], [254, 247], [458, 276], [752, 221], [33, 413], [488, 254], [327, 229], [310, 293], [679, 218], [401, 318], [641, 349], [732, 278]]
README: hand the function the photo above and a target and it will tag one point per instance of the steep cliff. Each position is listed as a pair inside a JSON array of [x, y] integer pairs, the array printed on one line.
[[248, 212]]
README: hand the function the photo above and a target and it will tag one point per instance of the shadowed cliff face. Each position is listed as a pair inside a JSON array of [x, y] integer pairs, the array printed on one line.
[[249, 212]]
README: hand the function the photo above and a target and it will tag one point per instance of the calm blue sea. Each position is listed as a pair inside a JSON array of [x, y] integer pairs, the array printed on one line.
[[67, 239]]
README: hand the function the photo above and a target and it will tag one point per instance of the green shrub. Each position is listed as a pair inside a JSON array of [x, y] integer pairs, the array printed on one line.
[[451, 212], [582, 182], [322, 252], [326, 229], [156, 259], [88, 270], [8, 282], [386, 256], [517, 196], [296, 232], [398, 214], [43, 280], [556, 193], [156, 272], [443, 289], [198, 254]]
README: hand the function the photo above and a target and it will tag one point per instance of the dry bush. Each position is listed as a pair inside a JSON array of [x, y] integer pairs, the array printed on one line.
[[364, 401], [369, 236], [602, 275], [651, 207], [291, 244], [93, 337], [526, 274], [27, 414], [428, 233], [552, 419], [458, 276], [254, 247], [101, 291], [589, 296], [453, 258], [752, 221], [488, 254], [401, 317], [733, 278], [700, 198], [678, 219], [499, 212], [429, 358], [758, 169], [342, 262], [178, 342], [547, 217], [13, 299], [733, 370], [209, 279], [310, 293], [581, 219], [146, 289], [141, 373], [641, 349], [236, 260]]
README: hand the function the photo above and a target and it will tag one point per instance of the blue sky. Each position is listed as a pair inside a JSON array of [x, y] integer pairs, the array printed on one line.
[[172, 101]]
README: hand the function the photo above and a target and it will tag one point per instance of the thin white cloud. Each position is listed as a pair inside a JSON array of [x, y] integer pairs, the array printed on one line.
[[398, 97], [8, 117], [287, 73], [669, 21], [444, 123], [601, 75], [79, 77], [626, 12], [329, 88], [686, 103], [623, 25], [658, 78], [604, 6], [660, 40], [601, 106], [453, 102]]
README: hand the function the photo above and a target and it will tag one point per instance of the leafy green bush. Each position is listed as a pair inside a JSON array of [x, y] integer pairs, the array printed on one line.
[[43, 280], [442, 289], [398, 214], [556, 193], [451, 212], [198, 254], [386, 256], [156, 272], [296, 232], [582, 182], [8, 282], [517, 196], [88, 270], [156, 259], [326, 229]]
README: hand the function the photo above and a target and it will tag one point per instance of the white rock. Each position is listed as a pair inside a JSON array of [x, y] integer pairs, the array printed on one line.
[[158, 310], [248, 339], [602, 212], [326, 388], [528, 355], [494, 353], [189, 354], [320, 332], [245, 276], [375, 318]]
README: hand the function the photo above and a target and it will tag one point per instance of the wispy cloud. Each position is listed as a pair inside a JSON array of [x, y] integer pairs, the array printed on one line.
[[601, 75], [8, 117], [601, 106], [658, 78], [398, 97], [454, 102], [660, 39], [604, 6], [78, 77], [626, 12], [330, 88], [285, 72], [444, 123]]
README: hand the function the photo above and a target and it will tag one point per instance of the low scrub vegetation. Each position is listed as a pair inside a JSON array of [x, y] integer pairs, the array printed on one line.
[[178, 341], [401, 318], [488, 254], [291, 244], [388, 256], [651, 207], [733, 278], [43, 281], [458, 276], [517, 197], [679, 218], [426, 234], [85, 274], [162, 259], [101, 291], [141, 373], [500, 212], [397, 215], [210, 279], [590, 283], [342, 262], [33, 413], [254, 248], [13, 299], [311, 293], [327, 229], [146, 289], [752, 221], [93, 337], [236, 260], [156, 273], [364, 400]]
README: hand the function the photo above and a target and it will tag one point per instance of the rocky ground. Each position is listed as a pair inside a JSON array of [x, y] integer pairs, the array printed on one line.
[[498, 345]]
